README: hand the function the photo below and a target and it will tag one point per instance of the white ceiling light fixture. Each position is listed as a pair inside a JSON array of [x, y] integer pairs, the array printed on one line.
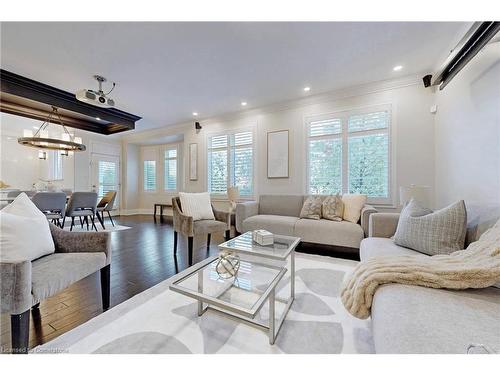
[[307, 88], [243, 104], [195, 113], [397, 68]]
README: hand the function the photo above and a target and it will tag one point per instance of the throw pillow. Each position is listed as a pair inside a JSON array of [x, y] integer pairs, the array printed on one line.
[[353, 204], [197, 205], [432, 233], [332, 208], [24, 231], [311, 209]]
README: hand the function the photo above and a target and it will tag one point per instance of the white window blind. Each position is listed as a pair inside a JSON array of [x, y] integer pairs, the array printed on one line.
[[349, 153], [108, 179], [170, 172], [230, 163], [149, 175]]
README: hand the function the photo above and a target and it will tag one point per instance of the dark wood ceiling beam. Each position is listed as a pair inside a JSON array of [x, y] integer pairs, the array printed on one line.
[[113, 120]]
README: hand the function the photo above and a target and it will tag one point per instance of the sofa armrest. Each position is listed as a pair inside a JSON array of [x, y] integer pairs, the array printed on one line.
[[383, 224], [365, 216], [244, 211], [223, 216], [78, 242], [15, 286]]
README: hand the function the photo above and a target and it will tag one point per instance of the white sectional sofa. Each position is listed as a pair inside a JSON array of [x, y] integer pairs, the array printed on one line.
[[410, 319], [280, 214]]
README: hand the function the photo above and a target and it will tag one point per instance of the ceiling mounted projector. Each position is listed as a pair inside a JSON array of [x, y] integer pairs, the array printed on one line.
[[97, 98]]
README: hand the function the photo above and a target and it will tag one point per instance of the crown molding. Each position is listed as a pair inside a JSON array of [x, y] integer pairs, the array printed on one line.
[[329, 96]]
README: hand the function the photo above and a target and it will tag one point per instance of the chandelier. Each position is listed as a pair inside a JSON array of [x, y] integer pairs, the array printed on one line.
[[41, 139]]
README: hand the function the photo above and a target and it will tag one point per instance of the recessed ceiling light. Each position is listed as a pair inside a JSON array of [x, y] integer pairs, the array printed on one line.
[[195, 113], [98, 118], [397, 68], [243, 103], [306, 89]]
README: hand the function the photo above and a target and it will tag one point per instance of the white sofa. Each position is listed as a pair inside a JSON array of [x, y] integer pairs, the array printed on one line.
[[280, 214], [410, 319]]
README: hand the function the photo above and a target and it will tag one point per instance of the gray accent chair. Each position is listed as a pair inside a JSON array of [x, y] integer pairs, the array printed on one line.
[[25, 283], [106, 205], [53, 205], [280, 214], [83, 205], [188, 227]]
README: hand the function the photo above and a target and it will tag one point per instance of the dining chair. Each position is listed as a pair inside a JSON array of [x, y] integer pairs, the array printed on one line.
[[53, 205], [82, 204], [106, 205]]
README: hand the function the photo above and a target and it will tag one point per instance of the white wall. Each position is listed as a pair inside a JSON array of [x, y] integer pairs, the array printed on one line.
[[467, 133], [412, 128]]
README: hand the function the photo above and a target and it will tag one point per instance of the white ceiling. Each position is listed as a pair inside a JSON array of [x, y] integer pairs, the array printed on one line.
[[165, 71]]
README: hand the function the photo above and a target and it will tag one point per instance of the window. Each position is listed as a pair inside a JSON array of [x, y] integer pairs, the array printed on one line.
[[108, 177], [170, 165], [149, 175], [348, 152], [230, 163]]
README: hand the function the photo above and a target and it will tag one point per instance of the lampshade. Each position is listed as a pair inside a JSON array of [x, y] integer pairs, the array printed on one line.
[[233, 193], [418, 192]]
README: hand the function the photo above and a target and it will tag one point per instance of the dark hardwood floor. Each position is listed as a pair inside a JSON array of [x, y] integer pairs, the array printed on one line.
[[142, 257]]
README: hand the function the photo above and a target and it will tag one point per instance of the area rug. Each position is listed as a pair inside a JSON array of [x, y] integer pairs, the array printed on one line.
[[159, 320], [108, 225]]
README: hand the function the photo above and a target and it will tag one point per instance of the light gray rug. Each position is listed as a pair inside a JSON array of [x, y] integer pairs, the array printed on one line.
[[161, 321], [108, 225]]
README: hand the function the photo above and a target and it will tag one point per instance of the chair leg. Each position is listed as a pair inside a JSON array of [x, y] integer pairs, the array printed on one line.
[[208, 241], [64, 221], [72, 223], [101, 219], [36, 306], [227, 235], [81, 221], [110, 218], [20, 330], [190, 250], [87, 222], [93, 222], [175, 243], [105, 286]]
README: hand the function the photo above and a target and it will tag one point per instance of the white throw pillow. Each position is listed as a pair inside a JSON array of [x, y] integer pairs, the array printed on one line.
[[353, 204], [197, 205], [24, 231]]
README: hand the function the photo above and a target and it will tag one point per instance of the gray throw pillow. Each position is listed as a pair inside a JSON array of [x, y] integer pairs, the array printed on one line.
[[311, 208], [432, 233]]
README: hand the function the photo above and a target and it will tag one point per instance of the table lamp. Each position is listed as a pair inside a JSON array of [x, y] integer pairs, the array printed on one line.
[[233, 193]]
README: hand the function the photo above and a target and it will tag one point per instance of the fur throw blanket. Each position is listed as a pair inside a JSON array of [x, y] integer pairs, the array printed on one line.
[[478, 266]]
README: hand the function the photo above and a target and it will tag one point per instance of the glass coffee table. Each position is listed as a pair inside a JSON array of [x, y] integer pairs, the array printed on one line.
[[244, 295]]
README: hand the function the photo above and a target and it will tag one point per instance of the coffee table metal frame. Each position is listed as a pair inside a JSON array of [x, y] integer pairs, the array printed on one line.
[[231, 310], [265, 252]]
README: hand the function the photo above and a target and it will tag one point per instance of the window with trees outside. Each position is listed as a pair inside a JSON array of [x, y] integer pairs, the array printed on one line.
[[349, 152], [170, 172], [230, 163]]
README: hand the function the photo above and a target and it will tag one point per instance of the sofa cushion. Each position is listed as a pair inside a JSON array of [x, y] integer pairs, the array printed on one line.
[[54, 272], [24, 231], [413, 319], [432, 233], [273, 223], [332, 208], [378, 246], [338, 233], [353, 204], [311, 208], [286, 205]]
